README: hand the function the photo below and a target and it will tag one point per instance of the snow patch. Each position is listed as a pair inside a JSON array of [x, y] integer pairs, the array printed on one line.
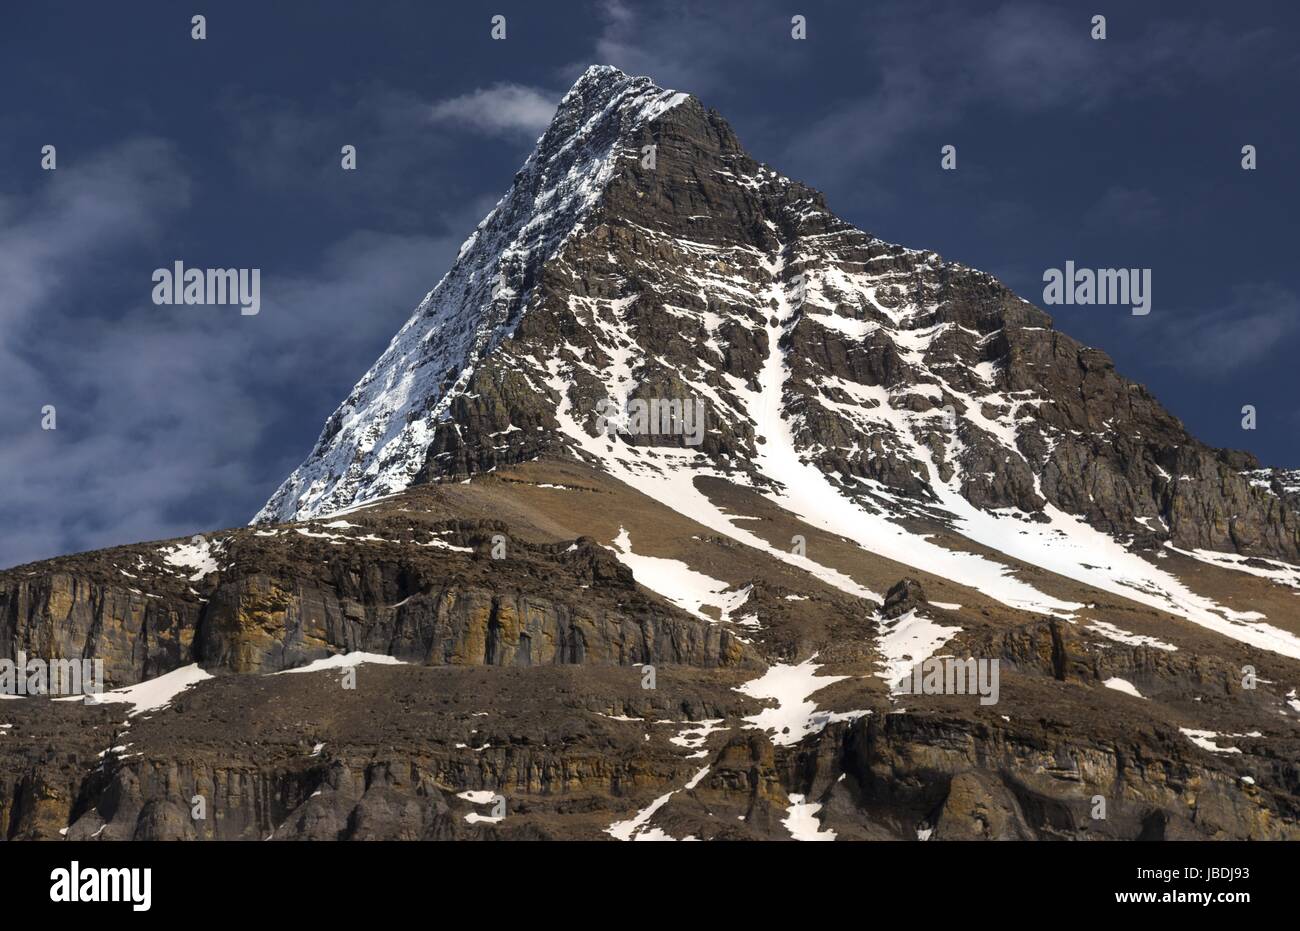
[[1119, 635], [1122, 685], [801, 820], [679, 583], [795, 715], [635, 828], [197, 556], [909, 639], [344, 661], [155, 693]]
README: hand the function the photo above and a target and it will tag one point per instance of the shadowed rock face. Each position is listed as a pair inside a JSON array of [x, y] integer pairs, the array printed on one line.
[[542, 689], [284, 598], [395, 758]]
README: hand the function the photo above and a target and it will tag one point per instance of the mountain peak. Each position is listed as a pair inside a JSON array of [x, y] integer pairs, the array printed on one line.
[[604, 95], [374, 443], [606, 81], [598, 76], [600, 73]]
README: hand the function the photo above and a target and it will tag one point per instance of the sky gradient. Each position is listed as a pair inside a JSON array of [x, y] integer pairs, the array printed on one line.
[[175, 420]]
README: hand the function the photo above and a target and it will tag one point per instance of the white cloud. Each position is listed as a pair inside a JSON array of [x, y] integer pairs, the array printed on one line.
[[1256, 322], [500, 110]]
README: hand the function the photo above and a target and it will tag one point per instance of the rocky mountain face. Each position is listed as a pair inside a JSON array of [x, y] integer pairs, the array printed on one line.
[[682, 280], [638, 523], [284, 597]]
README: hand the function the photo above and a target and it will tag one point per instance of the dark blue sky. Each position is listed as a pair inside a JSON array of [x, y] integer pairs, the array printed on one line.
[[225, 152]]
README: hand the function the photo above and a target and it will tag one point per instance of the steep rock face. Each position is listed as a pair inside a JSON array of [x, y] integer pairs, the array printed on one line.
[[422, 753], [63, 614], [950, 781], [282, 598], [375, 442]]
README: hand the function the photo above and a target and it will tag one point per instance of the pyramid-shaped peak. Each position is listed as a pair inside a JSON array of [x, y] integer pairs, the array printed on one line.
[[599, 74], [377, 440], [600, 77], [605, 94]]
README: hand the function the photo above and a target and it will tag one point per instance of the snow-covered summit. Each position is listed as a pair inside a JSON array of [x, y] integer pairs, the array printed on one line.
[[373, 443]]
